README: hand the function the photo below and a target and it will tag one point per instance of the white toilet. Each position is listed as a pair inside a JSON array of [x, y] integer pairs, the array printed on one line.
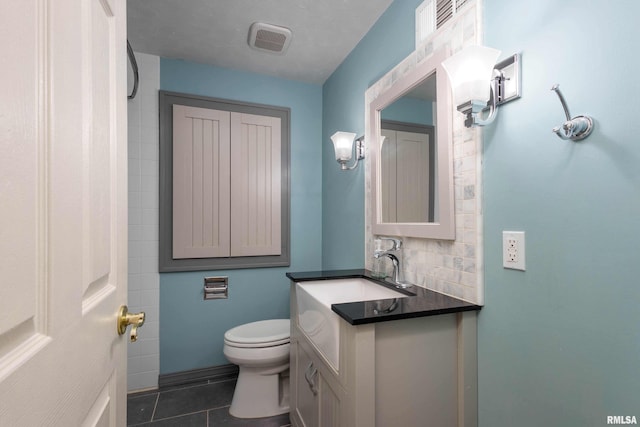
[[261, 351]]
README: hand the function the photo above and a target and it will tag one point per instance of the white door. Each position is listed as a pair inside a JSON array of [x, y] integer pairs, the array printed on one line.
[[63, 212]]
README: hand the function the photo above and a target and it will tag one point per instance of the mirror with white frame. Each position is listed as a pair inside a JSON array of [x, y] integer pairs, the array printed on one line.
[[410, 133]]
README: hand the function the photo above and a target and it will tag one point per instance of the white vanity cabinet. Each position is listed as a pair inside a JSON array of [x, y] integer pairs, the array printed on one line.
[[418, 372], [318, 396], [322, 396]]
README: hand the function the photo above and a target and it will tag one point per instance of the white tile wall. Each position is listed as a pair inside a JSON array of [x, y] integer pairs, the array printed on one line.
[[144, 281], [450, 267]]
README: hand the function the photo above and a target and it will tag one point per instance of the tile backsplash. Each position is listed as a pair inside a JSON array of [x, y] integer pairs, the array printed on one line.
[[450, 267]]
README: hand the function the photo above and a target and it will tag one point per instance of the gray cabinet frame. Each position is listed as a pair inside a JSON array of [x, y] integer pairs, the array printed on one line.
[[166, 262]]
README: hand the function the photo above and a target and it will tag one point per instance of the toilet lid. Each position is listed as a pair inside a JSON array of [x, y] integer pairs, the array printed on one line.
[[265, 333]]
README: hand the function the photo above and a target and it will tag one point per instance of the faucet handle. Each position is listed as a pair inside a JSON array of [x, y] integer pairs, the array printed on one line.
[[397, 243]]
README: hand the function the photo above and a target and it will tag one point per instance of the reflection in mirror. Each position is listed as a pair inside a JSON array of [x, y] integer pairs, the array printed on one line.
[[412, 172], [408, 155]]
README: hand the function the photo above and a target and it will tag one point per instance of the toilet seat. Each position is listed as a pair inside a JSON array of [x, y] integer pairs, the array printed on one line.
[[264, 333]]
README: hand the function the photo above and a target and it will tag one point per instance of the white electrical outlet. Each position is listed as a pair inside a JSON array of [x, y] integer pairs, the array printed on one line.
[[513, 250]]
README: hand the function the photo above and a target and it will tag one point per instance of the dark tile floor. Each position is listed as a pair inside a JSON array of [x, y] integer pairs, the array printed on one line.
[[195, 405]]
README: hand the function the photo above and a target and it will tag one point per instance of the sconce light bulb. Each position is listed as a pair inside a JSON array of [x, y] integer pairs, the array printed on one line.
[[343, 145], [470, 72]]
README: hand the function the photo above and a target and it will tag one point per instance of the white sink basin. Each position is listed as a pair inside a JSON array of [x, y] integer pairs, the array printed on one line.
[[315, 317]]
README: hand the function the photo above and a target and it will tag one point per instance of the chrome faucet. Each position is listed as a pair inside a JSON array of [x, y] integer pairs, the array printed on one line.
[[394, 260], [396, 276]]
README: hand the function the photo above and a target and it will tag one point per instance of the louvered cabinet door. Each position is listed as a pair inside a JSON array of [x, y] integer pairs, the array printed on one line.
[[255, 185], [201, 182]]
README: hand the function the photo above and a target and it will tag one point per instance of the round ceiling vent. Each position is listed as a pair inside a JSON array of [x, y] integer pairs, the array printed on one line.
[[270, 38]]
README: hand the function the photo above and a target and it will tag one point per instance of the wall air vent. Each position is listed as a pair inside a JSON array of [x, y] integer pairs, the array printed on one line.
[[432, 14], [270, 38]]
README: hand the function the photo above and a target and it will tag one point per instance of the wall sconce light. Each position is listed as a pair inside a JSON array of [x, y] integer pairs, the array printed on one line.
[[343, 145], [469, 72]]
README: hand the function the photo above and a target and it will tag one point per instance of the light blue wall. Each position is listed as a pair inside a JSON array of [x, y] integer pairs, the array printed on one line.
[[390, 40], [559, 345], [409, 110], [191, 330]]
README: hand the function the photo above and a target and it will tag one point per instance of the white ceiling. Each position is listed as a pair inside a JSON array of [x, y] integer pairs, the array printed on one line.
[[216, 32]]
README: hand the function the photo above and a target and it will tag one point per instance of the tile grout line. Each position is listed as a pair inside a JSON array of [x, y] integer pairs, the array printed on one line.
[[155, 406], [181, 415], [186, 413]]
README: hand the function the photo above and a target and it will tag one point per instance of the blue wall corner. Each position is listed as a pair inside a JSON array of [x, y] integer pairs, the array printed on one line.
[[388, 42], [191, 329]]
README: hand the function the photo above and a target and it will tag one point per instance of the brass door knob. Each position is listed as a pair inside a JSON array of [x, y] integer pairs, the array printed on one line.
[[125, 319]]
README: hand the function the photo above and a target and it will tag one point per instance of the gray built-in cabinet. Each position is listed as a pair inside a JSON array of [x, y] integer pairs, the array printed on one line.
[[412, 372], [224, 184]]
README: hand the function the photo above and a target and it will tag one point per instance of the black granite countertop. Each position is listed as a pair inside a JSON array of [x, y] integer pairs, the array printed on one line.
[[420, 302]]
